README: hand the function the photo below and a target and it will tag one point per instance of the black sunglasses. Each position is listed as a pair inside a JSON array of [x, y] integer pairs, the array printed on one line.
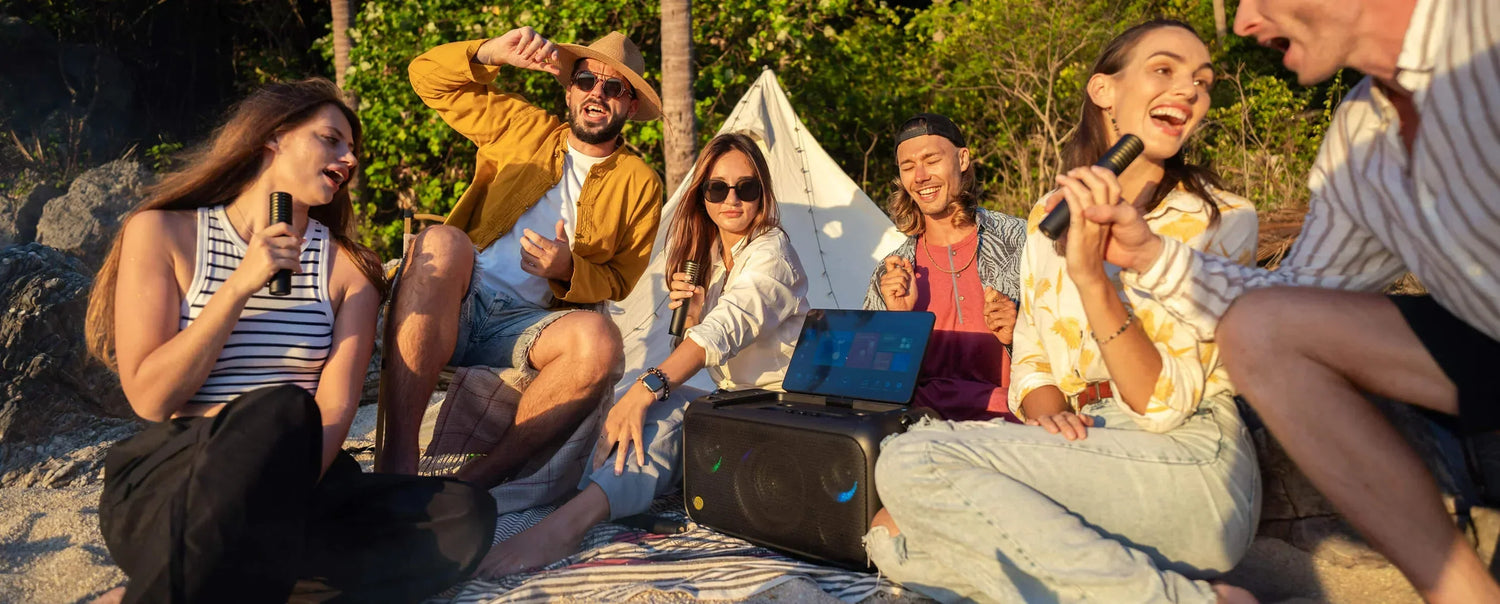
[[614, 88], [716, 191]]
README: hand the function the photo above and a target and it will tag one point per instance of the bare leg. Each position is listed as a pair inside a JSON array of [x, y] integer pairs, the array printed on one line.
[[578, 359], [1229, 594], [1302, 357], [421, 332], [113, 596], [556, 537]]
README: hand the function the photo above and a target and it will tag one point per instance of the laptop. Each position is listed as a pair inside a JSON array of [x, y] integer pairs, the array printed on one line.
[[850, 360]]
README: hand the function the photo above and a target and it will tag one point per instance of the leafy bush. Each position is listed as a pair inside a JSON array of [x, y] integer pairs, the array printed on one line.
[[1010, 72]]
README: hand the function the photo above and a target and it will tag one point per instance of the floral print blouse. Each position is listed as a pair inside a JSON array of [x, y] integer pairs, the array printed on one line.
[[1053, 345]]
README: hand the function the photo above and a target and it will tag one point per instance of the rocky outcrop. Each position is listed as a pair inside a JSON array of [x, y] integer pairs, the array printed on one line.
[[48, 384], [1294, 511], [83, 222], [20, 209]]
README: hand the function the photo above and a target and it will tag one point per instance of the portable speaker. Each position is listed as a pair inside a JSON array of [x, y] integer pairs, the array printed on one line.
[[787, 471]]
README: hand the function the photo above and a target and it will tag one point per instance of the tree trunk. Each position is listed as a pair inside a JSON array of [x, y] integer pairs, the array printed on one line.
[[679, 128], [341, 48], [1220, 23]]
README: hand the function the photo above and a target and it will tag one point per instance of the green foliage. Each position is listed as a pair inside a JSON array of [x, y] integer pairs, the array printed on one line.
[[820, 49], [1010, 72], [163, 155], [415, 160]]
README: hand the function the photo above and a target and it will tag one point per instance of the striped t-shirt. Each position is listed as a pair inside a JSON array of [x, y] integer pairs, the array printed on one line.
[[1377, 211], [278, 339]]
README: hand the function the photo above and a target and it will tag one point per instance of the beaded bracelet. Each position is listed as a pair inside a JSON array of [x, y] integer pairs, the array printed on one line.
[[1129, 318]]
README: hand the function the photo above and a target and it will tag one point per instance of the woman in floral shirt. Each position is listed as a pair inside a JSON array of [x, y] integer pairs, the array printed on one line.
[[1141, 482]]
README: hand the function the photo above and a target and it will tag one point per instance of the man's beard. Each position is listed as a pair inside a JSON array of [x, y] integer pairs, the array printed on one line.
[[606, 133]]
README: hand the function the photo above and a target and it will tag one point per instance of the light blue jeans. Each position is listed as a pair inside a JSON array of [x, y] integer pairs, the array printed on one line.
[[633, 490], [999, 512]]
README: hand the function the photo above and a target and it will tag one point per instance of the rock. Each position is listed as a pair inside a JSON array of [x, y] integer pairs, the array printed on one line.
[[83, 222], [23, 207], [1287, 493], [48, 384], [1332, 540], [73, 459]]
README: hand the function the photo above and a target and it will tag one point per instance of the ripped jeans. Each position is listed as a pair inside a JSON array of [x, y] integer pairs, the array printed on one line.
[[998, 512]]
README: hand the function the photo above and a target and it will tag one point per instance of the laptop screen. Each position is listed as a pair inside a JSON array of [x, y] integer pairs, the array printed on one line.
[[866, 354]]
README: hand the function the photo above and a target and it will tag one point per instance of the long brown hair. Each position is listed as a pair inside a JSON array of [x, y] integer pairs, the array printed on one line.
[[1092, 138], [907, 215], [692, 233], [218, 170]]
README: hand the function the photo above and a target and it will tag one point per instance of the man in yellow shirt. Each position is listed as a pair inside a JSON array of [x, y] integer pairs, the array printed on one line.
[[559, 218]]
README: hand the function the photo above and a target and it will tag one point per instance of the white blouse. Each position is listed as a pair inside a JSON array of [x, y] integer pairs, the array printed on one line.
[[752, 313]]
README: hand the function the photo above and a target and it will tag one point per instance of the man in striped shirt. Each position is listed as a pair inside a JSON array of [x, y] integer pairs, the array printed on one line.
[[1408, 179]]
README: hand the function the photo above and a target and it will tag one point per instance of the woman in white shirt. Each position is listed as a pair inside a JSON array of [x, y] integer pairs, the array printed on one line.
[[742, 326]]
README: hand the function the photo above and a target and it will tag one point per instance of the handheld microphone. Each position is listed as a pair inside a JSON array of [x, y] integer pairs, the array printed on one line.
[[679, 316], [281, 211], [1116, 159]]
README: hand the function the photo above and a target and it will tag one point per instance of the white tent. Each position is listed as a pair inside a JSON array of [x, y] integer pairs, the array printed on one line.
[[838, 232]]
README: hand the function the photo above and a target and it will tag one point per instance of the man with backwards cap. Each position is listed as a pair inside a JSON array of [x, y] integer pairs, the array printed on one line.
[[960, 262], [560, 217]]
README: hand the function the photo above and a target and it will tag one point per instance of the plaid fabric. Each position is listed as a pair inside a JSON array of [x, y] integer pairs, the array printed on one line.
[[616, 563], [479, 407]]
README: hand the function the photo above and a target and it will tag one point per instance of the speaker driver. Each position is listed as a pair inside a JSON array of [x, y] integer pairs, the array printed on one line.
[[766, 482]]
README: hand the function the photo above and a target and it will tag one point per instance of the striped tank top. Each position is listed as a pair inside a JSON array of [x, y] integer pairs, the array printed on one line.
[[278, 339]]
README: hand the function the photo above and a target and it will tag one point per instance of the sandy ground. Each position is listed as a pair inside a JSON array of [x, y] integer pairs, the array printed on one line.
[[51, 551], [50, 547]]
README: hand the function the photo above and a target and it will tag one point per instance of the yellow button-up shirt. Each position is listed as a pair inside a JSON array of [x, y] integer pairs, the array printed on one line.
[[521, 151]]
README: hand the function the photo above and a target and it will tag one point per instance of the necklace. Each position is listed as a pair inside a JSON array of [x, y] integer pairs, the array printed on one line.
[[960, 269], [247, 225]]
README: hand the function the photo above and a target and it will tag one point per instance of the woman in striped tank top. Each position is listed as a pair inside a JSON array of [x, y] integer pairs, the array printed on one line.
[[240, 489]]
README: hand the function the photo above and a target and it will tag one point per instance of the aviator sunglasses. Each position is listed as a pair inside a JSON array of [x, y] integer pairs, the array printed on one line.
[[614, 88], [716, 191]]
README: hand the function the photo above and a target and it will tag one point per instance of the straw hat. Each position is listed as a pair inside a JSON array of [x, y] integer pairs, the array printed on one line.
[[617, 51]]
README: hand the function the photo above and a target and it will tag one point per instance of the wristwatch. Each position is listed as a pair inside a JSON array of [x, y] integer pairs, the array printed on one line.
[[655, 381]]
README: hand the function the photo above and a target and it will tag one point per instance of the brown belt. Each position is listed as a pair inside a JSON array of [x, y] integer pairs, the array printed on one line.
[[1092, 393]]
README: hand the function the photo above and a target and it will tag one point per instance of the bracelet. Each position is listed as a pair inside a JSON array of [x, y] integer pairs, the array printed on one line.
[[1129, 318]]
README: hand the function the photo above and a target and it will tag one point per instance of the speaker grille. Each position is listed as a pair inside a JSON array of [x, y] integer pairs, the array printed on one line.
[[803, 490]]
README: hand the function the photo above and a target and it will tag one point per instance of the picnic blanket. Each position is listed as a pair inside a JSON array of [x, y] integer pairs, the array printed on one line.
[[616, 563]]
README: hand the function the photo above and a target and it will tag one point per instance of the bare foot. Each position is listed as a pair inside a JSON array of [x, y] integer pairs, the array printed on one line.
[[883, 518], [1229, 594], [556, 537], [113, 596]]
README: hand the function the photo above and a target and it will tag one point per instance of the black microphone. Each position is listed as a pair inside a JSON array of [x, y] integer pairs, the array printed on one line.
[[281, 211], [679, 316], [1115, 159]]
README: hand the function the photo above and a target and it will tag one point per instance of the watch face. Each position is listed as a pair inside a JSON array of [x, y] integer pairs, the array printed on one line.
[[652, 382]]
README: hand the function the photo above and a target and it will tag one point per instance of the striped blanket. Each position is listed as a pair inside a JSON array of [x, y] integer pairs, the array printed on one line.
[[616, 563]]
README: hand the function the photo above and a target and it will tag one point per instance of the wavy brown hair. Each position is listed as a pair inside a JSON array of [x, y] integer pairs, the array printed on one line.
[[1091, 139], [218, 170], [691, 234], [907, 215]]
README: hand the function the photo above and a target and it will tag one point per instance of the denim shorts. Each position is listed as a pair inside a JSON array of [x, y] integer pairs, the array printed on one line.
[[496, 331]]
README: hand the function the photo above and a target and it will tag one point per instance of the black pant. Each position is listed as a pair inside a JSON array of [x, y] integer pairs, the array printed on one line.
[[230, 509]]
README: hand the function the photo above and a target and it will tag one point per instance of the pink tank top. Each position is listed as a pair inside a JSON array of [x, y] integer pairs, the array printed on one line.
[[966, 371]]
